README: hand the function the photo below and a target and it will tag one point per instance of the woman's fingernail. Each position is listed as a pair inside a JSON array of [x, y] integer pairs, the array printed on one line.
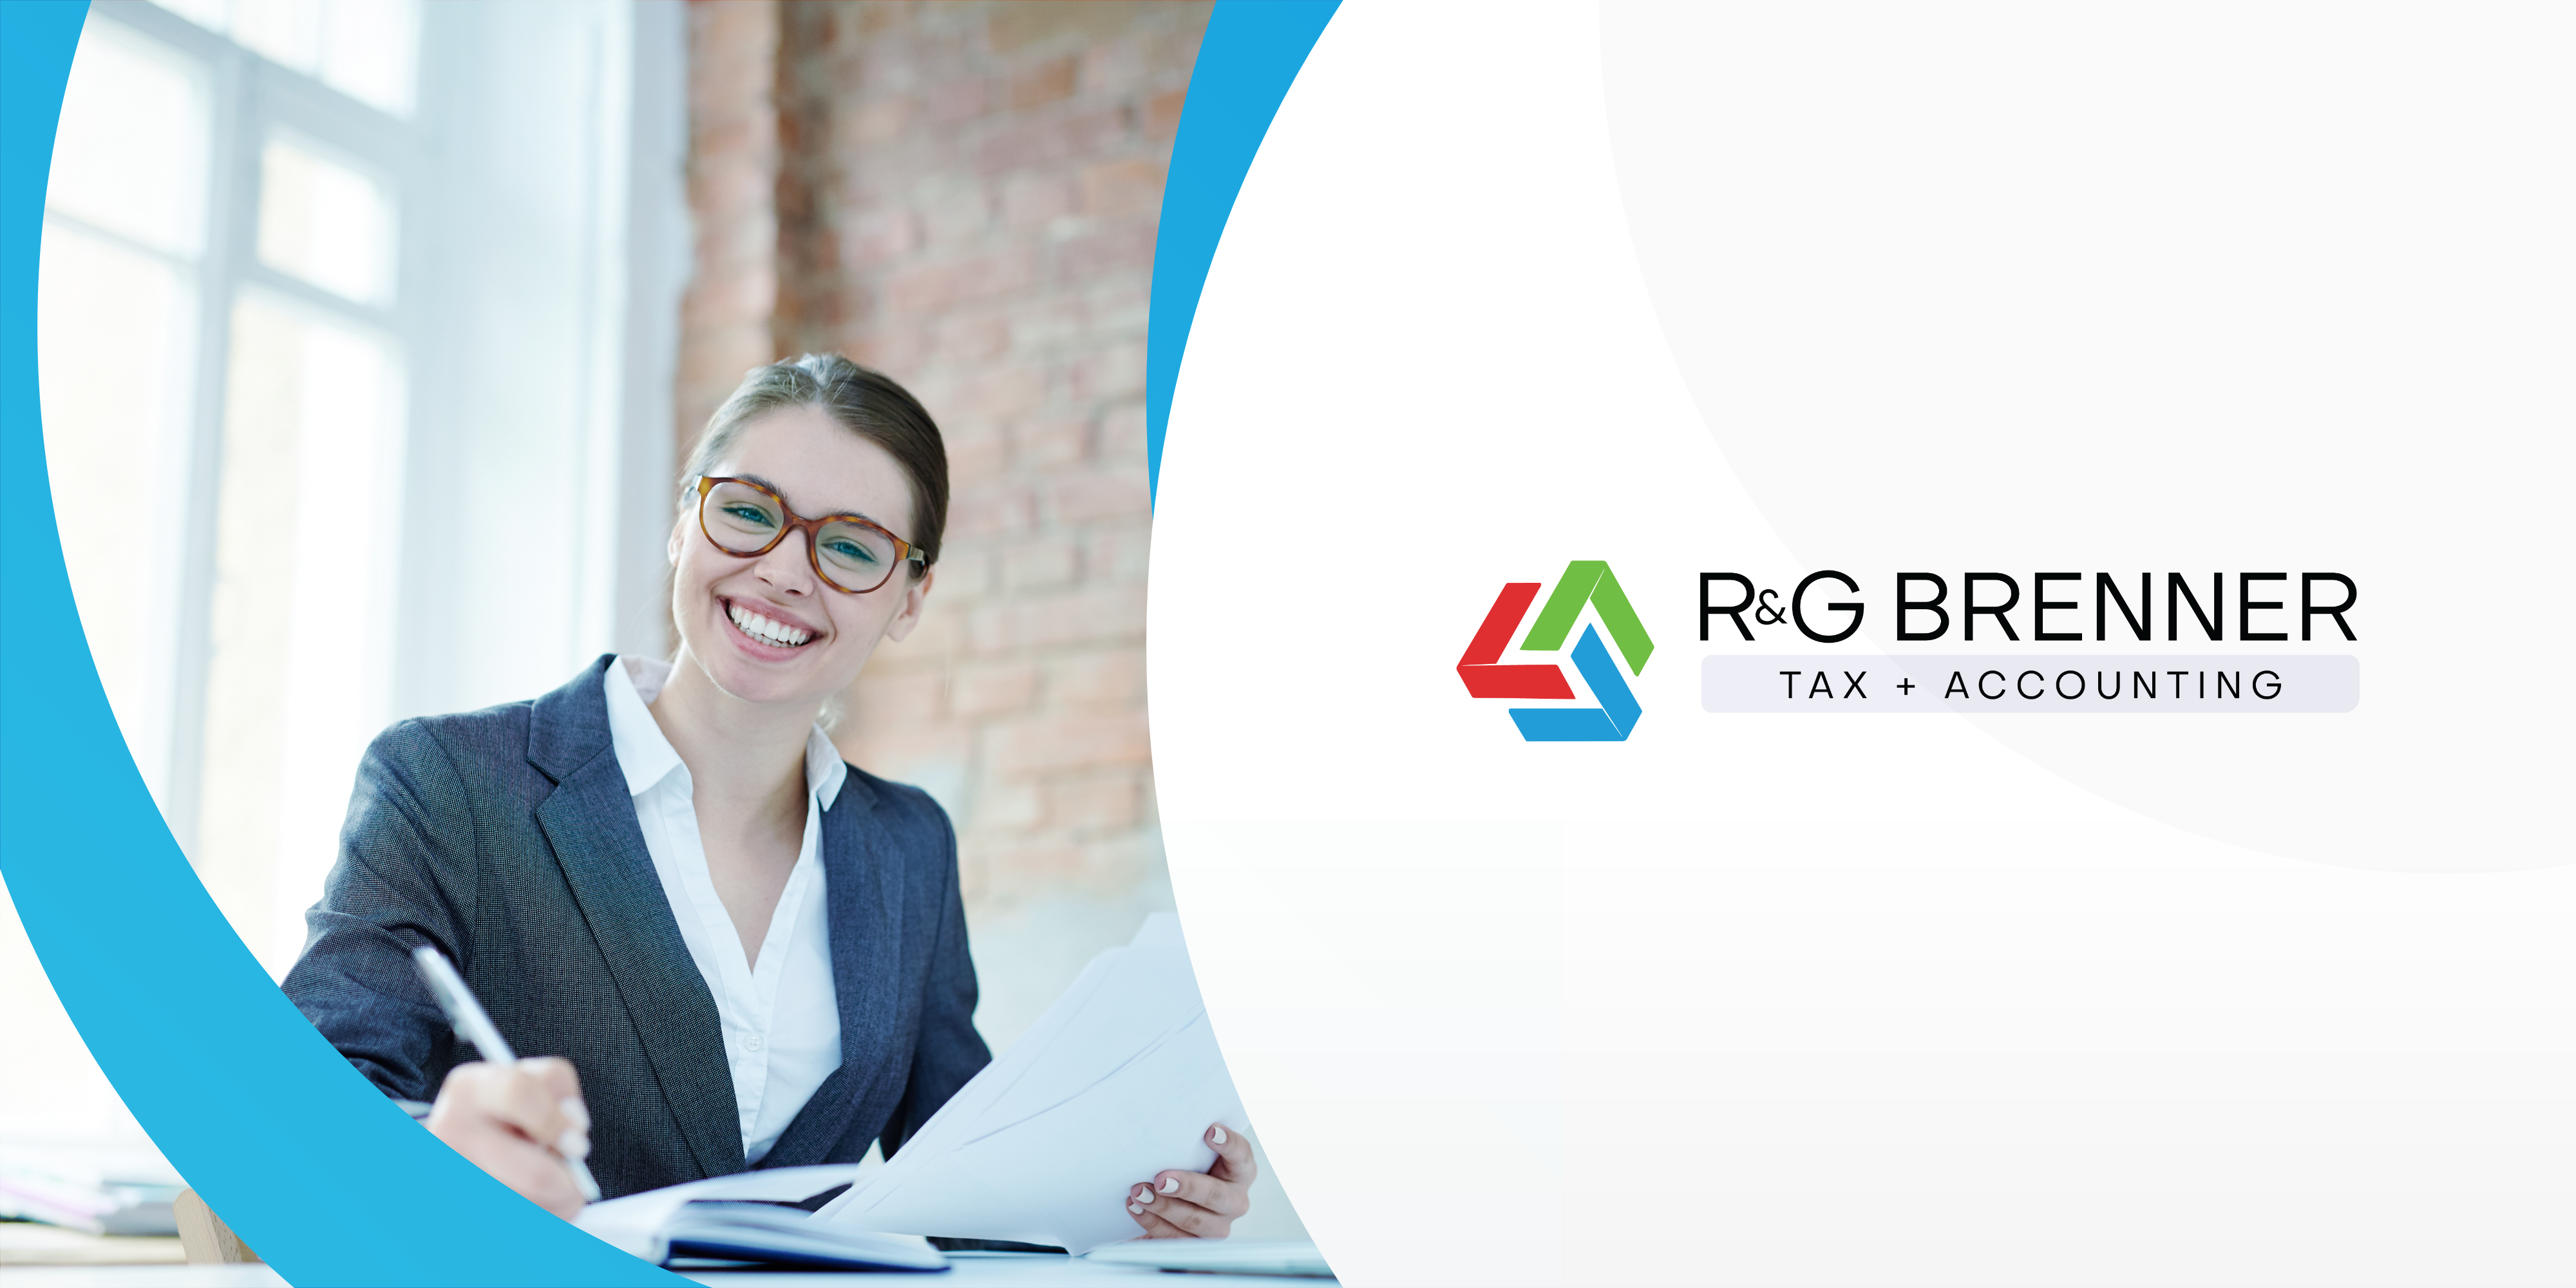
[[1144, 1194], [576, 1111], [574, 1143], [1216, 1135], [1133, 1210], [1171, 1185]]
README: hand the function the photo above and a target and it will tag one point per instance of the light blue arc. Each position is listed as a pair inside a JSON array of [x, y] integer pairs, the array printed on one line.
[[1247, 61], [306, 1160]]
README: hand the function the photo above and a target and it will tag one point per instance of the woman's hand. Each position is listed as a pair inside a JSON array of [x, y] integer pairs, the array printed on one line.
[[1198, 1205], [519, 1122]]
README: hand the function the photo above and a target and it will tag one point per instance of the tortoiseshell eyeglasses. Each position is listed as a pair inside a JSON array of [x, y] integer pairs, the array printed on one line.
[[849, 553]]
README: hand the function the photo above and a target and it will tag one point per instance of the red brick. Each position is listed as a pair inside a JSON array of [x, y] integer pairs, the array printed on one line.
[[899, 699], [986, 690], [1118, 861], [1047, 325], [1043, 564], [1118, 552], [1050, 442], [1104, 253], [1032, 864], [965, 575], [1094, 802], [972, 338], [1123, 187], [1115, 67], [1095, 615], [937, 637], [1005, 806], [956, 211], [1163, 114], [936, 286], [872, 239], [878, 121], [1122, 432], [1111, 679], [1069, 741], [1047, 82], [955, 101], [898, 751], [1004, 509], [1118, 305], [1016, 27], [1114, 372], [1000, 394], [1104, 494], [1029, 199], [891, 349], [1082, 132], [976, 450]]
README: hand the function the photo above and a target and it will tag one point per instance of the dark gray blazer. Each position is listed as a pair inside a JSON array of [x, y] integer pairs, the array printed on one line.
[[507, 839]]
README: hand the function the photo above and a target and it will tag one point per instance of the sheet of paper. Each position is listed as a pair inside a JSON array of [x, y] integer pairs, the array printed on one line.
[[635, 1223], [1119, 1080], [947, 1127]]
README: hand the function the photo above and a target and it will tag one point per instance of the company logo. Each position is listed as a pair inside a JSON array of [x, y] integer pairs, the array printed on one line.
[[1488, 676]]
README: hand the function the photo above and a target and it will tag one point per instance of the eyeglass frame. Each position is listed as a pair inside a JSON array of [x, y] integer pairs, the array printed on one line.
[[904, 551]]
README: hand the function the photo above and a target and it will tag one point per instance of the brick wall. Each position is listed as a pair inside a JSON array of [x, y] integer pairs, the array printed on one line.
[[733, 180], [964, 195]]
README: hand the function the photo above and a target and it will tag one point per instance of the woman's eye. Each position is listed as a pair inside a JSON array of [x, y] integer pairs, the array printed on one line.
[[852, 551], [749, 514]]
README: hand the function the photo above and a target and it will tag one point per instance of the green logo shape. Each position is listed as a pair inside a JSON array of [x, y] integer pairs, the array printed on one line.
[[1590, 580]]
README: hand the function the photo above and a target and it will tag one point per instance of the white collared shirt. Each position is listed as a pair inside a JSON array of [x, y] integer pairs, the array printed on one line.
[[782, 1021]]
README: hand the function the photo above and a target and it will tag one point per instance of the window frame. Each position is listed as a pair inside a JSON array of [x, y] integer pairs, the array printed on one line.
[[249, 100]]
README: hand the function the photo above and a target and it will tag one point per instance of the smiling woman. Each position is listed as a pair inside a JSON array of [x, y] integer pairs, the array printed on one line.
[[735, 949]]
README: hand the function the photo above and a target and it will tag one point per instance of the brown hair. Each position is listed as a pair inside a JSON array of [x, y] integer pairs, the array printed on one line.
[[867, 403]]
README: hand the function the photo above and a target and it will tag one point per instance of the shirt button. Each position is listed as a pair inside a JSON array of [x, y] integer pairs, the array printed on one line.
[[751, 1043]]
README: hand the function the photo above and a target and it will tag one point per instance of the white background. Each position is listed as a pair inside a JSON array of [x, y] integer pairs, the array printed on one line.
[[1771, 1000]]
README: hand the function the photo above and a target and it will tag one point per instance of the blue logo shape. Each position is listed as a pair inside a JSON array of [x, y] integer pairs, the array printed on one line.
[[1609, 722]]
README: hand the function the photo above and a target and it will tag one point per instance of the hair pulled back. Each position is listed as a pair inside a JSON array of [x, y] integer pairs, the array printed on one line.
[[865, 402]]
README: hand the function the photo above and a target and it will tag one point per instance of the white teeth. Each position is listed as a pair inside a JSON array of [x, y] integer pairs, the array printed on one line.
[[765, 630]]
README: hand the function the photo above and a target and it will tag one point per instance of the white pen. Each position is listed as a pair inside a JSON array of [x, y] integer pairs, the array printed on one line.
[[476, 1027]]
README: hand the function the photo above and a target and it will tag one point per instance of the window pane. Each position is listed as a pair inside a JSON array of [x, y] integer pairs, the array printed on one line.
[[213, 15], [326, 223], [130, 154], [305, 552], [114, 363], [286, 31], [369, 51]]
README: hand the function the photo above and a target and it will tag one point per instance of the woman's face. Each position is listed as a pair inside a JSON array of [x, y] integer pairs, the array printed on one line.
[[820, 469]]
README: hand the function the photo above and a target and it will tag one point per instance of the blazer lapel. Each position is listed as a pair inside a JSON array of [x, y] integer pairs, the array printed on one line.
[[590, 821], [863, 897]]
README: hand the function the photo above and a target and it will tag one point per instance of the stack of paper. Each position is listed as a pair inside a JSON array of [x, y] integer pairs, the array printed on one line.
[[1119, 1080], [100, 1187]]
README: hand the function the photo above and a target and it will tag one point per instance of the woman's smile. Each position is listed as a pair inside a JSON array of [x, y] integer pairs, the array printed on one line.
[[769, 631]]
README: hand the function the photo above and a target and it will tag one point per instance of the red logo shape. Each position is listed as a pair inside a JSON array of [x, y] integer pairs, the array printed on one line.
[[1478, 668]]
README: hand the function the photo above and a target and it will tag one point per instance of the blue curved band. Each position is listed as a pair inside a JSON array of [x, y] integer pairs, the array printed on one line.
[[303, 1157], [1247, 60], [300, 1154]]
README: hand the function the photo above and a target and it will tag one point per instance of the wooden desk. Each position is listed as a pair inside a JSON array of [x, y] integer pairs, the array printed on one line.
[[24, 1243]]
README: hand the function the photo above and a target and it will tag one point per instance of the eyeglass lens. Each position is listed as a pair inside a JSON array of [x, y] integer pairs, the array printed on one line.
[[745, 519]]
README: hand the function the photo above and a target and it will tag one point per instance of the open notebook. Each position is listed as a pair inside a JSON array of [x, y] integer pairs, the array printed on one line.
[[721, 1230], [1117, 1081]]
